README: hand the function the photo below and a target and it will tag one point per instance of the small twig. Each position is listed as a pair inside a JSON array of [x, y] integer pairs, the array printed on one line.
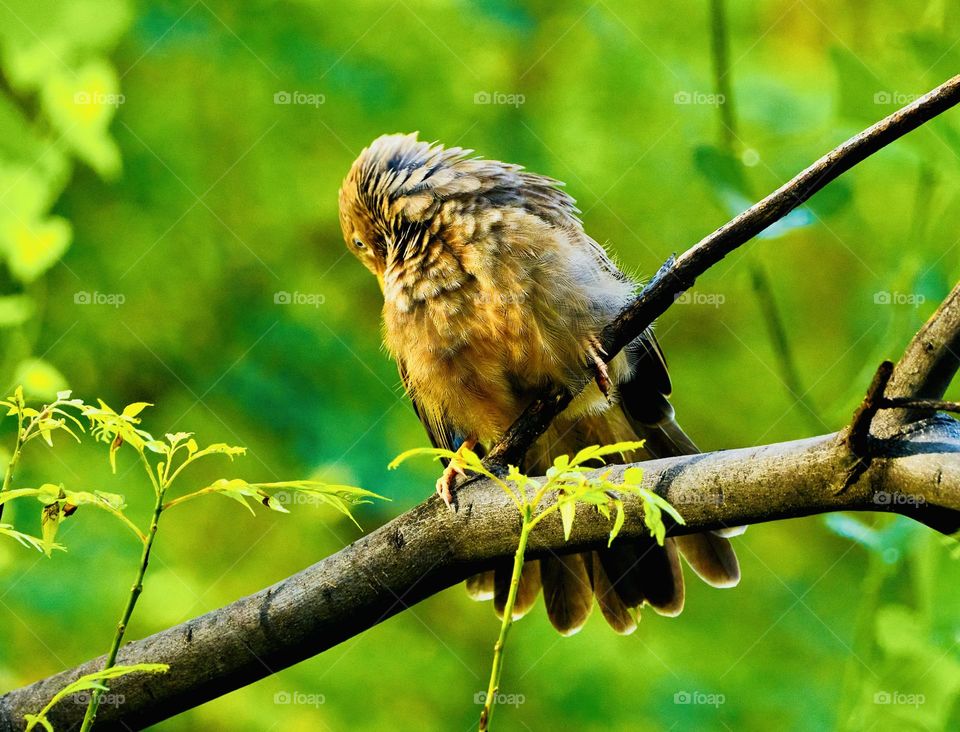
[[927, 366], [781, 344], [857, 437], [677, 276], [934, 405]]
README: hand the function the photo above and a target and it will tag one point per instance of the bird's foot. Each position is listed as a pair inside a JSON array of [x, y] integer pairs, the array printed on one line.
[[595, 354], [447, 482]]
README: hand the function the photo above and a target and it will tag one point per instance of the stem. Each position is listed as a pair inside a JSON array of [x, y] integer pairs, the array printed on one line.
[[8, 476], [721, 68], [507, 621], [135, 591], [790, 374]]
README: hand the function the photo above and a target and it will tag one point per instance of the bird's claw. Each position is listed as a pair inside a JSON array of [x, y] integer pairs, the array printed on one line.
[[595, 353], [448, 481]]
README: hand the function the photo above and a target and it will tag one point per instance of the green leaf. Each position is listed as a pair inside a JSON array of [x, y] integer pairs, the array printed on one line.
[[132, 410], [617, 522], [595, 452], [80, 104], [722, 170], [220, 448], [15, 310], [40, 380], [32, 247], [436, 453], [50, 518], [31, 542], [568, 509], [633, 476], [90, 682]]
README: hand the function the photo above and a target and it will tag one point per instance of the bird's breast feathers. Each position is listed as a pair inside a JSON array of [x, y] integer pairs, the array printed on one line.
[[478, 336]]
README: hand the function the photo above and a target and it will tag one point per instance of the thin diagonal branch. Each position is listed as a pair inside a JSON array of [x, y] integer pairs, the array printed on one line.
[[677, 276]]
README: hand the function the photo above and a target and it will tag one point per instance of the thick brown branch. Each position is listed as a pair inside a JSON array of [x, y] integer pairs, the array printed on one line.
[[678, 275]]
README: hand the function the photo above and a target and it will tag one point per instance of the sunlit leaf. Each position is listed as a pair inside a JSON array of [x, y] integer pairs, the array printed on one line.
[[568, 509], [90, 682], [40, 380], [436, 453], [32, 247], [31, 542], [15, 310], [134, 409]]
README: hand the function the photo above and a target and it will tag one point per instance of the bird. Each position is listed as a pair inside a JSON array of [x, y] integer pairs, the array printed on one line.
[[493, 290]]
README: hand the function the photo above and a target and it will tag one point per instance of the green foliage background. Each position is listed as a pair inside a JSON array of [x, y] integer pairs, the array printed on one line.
[[179, 187]]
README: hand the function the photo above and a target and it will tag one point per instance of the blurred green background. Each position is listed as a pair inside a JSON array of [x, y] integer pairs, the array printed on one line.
[[168, 168]]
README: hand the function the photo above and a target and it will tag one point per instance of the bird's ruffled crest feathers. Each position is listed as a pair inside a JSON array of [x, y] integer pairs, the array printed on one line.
[[399, 174]]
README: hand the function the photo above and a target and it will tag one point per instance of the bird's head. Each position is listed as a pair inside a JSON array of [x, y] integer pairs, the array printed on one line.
[[417, 214]]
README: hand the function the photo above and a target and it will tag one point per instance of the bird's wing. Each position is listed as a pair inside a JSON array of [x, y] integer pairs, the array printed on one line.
[[643, 399], [440, 433]]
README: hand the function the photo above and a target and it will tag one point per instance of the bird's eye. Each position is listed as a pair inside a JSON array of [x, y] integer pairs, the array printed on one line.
[[359, 244]]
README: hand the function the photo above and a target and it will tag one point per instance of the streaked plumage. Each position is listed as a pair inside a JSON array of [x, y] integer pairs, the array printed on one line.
[[491, 290]]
